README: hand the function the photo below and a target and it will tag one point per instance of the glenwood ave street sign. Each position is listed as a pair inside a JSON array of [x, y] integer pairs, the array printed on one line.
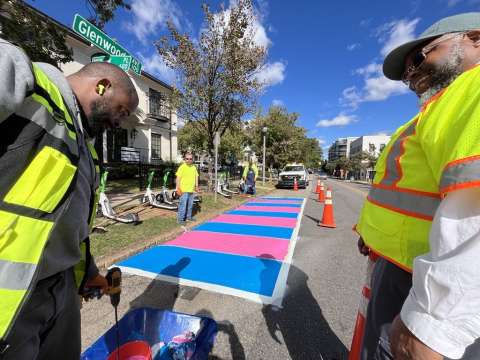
[[98, 38]]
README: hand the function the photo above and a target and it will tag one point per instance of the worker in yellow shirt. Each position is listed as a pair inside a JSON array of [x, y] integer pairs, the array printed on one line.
[[187, 184]]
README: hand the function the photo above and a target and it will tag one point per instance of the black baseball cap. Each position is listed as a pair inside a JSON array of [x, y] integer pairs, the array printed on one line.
[[394, 63]]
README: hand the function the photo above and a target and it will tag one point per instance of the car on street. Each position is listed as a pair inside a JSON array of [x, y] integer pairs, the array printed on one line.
[[322, 176], [287, 176]]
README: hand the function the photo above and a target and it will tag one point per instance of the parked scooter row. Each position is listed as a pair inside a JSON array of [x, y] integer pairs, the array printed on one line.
[[162, 200]]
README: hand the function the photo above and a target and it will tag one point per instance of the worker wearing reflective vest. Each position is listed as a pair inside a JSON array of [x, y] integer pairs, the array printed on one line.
[[49, 174], [422, 214]]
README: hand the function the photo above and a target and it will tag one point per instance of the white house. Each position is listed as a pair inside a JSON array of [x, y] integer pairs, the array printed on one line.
[[154, 135]]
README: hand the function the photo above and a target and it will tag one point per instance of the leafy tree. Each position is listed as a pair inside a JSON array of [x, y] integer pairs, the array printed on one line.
[[102, 11], [285, 142], [363, 161], [312, 155], [284, 138], [190, 137], [217, 72], [40, 38]]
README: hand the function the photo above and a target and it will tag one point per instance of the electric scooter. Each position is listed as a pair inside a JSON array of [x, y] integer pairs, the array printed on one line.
[[157, 200], [107, 210]]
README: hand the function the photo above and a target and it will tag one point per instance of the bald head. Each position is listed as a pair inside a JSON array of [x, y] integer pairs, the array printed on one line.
[[106, 94], [112, 72]]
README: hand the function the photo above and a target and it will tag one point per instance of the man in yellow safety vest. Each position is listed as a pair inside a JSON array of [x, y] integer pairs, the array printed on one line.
[[422, 214], [49, 175]]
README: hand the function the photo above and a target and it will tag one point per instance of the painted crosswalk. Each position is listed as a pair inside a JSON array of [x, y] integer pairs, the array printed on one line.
[[244, 252]]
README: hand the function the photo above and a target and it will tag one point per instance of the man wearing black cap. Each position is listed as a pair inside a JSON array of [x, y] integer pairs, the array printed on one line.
[[422, 214]]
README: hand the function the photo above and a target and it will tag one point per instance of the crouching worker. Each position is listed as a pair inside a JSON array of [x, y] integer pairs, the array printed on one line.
[[249, 177]]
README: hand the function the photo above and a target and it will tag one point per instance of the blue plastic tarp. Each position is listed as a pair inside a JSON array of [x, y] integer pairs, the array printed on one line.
[[155, 326]]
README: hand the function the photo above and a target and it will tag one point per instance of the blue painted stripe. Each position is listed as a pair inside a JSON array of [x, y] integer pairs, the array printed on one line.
[[253, 203], [283, 198], [250, 274], [263, 213], [245, 229]]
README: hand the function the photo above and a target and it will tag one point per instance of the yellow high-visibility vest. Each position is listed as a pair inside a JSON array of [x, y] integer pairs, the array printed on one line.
[[436, 152], [36, 196]]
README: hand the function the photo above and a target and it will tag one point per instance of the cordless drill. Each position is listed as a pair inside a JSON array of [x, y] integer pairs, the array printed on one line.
[[114, 280]]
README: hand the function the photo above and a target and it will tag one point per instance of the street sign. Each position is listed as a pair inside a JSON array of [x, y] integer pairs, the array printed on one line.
[[99, 57], [123, 62], [101, 40]]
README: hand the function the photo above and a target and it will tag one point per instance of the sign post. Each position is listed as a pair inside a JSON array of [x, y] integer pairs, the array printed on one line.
[[216, 143], [101, 40]]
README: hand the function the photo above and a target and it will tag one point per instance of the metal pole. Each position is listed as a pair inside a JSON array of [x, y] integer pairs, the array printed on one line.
[[216, 178], [264, 165]]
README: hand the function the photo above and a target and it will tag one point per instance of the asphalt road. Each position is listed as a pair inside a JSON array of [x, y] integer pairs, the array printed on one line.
[[319, 309]]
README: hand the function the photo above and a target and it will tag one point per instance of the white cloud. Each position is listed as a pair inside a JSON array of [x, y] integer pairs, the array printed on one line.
[[352, 47], [271, 73], [150, 16], [321, 141], [155, 65], [399, 32], [277, 102], [376, 87], [381, 133], [339, 120], [380, 88], [372, 68]]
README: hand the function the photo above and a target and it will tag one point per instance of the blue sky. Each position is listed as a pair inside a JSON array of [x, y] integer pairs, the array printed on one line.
[[324, 57]]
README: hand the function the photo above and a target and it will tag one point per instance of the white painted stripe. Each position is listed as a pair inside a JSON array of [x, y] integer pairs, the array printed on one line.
[[266, 300], [281, 284]]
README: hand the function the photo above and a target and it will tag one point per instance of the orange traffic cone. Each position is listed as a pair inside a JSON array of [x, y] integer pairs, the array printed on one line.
[[327, 218], [295, 184], [317, 189], [321, 194], [359, 331]]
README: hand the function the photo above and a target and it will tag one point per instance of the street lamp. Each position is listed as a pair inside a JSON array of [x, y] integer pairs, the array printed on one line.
[[264, 131]]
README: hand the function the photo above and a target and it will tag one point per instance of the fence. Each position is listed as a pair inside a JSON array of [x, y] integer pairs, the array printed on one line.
[[140, 171]]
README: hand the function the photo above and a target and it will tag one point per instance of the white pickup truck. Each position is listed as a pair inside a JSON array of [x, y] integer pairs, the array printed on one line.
[[289, 173]]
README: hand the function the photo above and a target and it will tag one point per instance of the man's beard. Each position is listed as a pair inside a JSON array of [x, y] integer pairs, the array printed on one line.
[[99, 117], [444, 74]]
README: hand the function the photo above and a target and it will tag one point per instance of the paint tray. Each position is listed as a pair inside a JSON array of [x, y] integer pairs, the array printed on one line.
[[154, 326]]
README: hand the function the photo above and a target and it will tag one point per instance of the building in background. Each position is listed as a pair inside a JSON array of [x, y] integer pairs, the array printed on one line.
[[372, 144], [152, 137], [340, 148]]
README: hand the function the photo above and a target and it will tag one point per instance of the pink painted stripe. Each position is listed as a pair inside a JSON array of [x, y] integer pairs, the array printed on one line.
[[256, 220], [276, 201], [254, 246], [269, 208]]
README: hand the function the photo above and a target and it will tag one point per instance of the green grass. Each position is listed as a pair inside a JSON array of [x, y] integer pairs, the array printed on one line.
[[121, 236], [121, 186]]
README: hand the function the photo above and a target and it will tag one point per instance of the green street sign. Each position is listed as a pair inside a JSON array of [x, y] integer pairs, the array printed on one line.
[[123, 62], [101, 40]]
